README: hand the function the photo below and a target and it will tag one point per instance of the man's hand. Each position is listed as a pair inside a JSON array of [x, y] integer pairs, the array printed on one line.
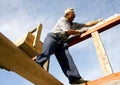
[[88, 24]]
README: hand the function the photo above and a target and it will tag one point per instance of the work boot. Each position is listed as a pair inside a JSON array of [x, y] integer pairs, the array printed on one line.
[[79, 81]]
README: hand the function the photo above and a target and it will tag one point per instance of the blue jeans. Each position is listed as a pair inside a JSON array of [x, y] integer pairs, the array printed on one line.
[[54, 45]]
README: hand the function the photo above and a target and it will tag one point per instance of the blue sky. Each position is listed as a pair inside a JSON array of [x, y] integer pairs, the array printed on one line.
[[20, 16]]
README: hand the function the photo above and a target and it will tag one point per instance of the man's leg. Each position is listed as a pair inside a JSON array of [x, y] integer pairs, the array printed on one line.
[[48, 49], [66, 62]]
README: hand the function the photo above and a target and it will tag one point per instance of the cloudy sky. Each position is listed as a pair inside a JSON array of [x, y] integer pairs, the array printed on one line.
[[17, 17]]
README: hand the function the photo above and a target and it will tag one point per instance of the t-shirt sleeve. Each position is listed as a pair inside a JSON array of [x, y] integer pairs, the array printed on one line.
[[76, 25]]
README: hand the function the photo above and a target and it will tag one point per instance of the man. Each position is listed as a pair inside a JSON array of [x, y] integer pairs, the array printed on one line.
[[55, 43]]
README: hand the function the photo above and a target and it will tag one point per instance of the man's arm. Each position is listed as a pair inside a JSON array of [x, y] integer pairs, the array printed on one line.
[[75, 32], [93, 22]]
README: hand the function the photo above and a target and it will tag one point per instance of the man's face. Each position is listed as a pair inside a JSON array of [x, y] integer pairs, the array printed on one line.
[[71, 16]]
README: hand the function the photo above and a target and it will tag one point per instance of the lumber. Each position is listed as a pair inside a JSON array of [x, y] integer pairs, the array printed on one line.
[[102, 55], [109, 23], [25, 43], [13, 58], [113, 79]]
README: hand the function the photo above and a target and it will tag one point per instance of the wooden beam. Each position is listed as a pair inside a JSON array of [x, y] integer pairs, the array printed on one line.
[[25, 43], [13, 58], [113, 79], [37, 37], [32, 45], [102, 55], [100, 28]]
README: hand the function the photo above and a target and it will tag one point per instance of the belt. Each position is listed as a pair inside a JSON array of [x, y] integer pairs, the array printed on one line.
[[62, 37], [57, 37]]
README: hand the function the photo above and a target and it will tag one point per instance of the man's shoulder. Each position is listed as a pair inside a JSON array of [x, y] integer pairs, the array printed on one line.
[[62, 19]]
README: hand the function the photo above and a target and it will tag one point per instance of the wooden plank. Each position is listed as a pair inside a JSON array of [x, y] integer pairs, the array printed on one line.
[[113, 79], [16, 60], [102, 56], [37, 37], [100, 28], [25, 43], [32, 45]]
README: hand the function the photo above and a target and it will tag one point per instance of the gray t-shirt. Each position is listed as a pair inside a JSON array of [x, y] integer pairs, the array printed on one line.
[[63, 25]]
